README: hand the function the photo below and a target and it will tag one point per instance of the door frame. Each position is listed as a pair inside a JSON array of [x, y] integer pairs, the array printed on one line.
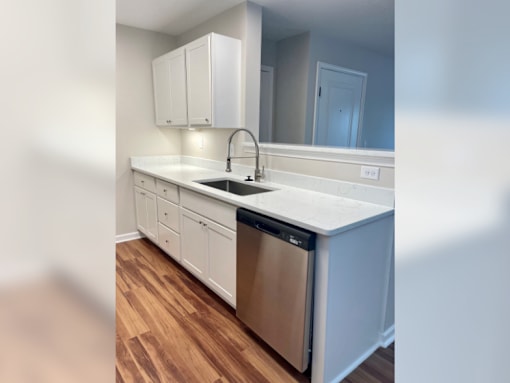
[[270, 70], [335, 68]]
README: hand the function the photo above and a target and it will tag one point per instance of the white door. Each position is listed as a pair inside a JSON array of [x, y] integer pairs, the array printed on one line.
[[222, 261], [266, 104], [194, 243], [198, 68], [178, 102], [339, 106], [146, 213], [169, 76]]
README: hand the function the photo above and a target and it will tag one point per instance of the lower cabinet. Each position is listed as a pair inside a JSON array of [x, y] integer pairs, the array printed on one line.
[[146, 213], [173, 218], [209, 252]]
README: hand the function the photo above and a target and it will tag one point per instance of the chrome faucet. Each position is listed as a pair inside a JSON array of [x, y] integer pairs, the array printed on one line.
[[258, 173]]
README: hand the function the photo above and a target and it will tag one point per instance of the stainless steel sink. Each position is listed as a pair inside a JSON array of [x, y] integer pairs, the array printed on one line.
[[234, 187]]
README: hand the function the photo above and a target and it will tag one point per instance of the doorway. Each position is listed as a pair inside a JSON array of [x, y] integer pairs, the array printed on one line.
[[339, 102]]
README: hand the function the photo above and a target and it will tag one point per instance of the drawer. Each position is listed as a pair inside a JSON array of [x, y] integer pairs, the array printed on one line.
[[169, 241], [145, 181], [167, 191], [218, 211], [168, 214]]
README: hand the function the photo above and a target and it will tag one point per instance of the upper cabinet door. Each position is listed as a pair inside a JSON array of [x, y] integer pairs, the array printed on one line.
[[169, 76], [198, 65], [199, 84]]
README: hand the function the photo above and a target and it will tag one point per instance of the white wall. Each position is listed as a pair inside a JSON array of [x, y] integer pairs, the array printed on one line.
[[136, 132]]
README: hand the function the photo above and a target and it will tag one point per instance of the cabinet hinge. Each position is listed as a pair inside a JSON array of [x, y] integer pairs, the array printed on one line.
[[320, 90]]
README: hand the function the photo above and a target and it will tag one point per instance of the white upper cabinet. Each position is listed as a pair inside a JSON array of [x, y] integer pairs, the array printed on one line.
[[169, 76], [201, 86]]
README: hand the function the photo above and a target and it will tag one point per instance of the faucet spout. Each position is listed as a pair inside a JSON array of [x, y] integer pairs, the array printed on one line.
[[258, 173]]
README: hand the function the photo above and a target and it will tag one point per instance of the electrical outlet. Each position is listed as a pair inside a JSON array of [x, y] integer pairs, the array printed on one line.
[[370, 172]]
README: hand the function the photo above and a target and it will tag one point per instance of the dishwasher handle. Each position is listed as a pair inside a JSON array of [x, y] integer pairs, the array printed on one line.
[[267, 229]]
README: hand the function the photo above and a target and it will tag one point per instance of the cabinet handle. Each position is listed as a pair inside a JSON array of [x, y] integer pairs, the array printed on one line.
[[142, 181], [168, 121], [166, 214], [142, 193], [200, 222], [164, 190], [206, 120], [166, 240]]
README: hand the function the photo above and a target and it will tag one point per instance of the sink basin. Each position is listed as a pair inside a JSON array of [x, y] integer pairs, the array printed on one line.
[[234, 187]]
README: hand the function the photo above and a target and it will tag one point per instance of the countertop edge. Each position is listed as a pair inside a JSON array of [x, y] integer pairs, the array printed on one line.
[[219, 195]]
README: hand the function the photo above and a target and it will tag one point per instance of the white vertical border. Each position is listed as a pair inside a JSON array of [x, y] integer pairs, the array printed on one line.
[[270, 70]]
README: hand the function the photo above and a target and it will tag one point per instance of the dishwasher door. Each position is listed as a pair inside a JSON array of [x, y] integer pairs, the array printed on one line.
[[274, 284]]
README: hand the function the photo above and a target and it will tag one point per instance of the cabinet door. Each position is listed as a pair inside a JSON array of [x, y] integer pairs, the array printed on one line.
[[146, 213], [198, 70], [222, 261], [169, 77], [194, 243]]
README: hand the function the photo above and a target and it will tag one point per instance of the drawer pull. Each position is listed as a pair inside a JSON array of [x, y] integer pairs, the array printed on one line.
[[164, 190]]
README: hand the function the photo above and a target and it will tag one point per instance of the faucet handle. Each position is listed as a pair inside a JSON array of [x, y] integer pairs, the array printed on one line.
[[248, 178]]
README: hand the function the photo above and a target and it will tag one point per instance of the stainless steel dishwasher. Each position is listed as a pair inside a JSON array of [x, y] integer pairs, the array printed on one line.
[[274, 284]]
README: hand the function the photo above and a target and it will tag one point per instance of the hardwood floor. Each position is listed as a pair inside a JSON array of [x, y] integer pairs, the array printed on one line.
[[171, 328]]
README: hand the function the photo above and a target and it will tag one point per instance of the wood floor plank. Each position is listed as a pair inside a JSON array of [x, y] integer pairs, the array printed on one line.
[[144, 361], [129, 320], [170, 372], [188, 334], [176, 341], [125, 364]]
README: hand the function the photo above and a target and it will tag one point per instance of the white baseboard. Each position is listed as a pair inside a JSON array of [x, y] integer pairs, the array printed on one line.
[[387, 337], [128, 237], [355, 364]]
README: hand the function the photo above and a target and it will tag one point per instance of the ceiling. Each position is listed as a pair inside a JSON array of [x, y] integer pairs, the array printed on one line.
[[368, 23]]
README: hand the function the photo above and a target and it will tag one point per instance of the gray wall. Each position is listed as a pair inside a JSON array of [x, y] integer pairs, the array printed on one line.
[[291, 87], [378, 119]]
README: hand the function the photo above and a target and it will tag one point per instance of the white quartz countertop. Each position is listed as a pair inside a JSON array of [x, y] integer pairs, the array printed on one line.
[[322, 213]]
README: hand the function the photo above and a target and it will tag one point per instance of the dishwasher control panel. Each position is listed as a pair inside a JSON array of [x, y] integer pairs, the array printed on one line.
[[294, 235]]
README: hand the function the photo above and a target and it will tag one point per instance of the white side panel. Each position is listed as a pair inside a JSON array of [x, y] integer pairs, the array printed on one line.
[[226, 81], [351, 275]]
